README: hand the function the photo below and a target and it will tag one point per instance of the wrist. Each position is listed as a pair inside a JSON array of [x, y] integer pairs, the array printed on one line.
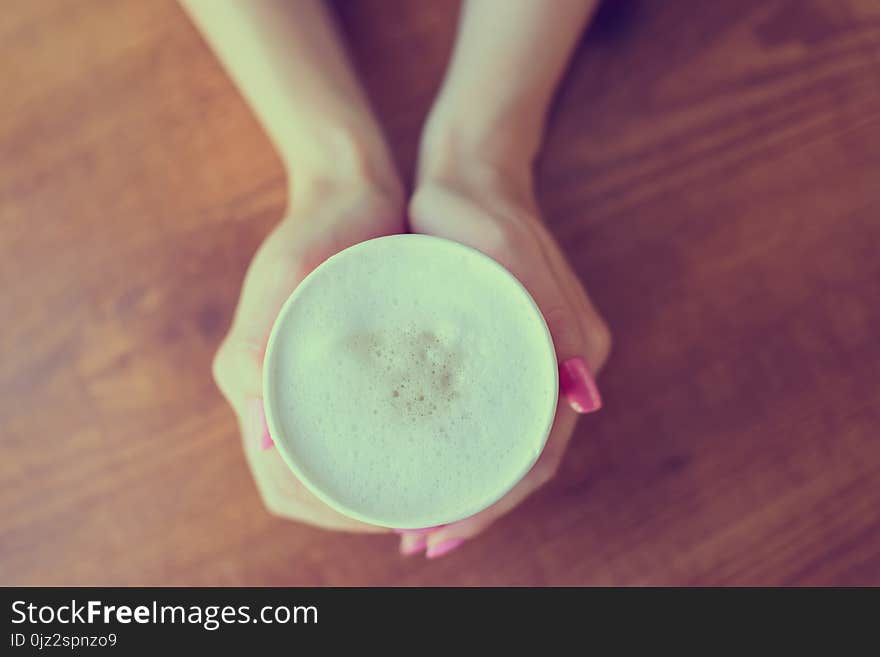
[[455, 141], [332, 154], [496, 172]]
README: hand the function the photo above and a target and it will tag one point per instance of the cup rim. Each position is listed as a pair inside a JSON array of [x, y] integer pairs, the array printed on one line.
[[289, 458]]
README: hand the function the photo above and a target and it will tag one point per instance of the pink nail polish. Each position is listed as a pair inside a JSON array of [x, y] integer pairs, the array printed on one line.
[[266, 441], [578, 387], [258, 424], [444, 547], [418, 546]]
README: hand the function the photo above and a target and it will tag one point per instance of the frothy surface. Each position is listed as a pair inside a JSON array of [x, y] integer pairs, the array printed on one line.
[[410, 380]]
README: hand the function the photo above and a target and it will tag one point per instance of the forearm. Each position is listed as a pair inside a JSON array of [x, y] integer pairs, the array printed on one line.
[[507, 63], [287, 60]]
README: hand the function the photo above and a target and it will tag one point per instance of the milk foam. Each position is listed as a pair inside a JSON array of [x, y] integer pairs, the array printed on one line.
[[410, 381]]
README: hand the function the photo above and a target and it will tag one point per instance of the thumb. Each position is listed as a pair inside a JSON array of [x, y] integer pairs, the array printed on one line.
[[238, 365]]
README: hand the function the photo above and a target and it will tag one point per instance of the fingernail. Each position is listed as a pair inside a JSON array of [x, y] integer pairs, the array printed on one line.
[[258, 424], [576, 384], [266, 441], [418, 546], [444, 547]]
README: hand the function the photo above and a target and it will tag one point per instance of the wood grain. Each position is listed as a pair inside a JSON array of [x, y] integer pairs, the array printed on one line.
[[712, 171]]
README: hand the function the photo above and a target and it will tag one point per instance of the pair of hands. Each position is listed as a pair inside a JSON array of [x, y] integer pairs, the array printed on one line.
[[483, 209]]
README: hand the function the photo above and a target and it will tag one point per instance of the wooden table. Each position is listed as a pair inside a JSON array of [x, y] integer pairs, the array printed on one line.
[[712, 170]]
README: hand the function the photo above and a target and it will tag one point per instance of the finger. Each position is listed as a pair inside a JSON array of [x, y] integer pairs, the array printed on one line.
[[237, 371], [576, 374], [453, 536], [450, 537], [597, 337], [413, 543], [275, 271], [282, 492], [573, 349], [238, 365]]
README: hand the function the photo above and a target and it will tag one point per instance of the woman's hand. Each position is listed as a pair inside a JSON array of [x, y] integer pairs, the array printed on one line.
[[481, 206], [475, 187], [289, 64], [326, 217]]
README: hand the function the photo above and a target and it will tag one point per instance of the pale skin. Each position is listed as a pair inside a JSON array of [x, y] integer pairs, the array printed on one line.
[[474, 184]]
